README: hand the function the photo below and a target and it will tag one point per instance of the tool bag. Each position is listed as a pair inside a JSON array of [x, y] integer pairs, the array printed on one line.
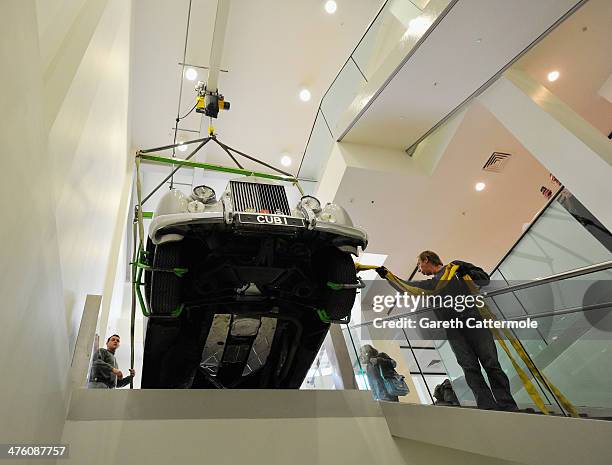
[[444, 394], [395, 385]]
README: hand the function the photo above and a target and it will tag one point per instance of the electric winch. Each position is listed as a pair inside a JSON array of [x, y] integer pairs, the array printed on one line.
[[209, 102]]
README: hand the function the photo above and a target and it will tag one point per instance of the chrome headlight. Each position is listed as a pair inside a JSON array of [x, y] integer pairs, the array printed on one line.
[[333, 213], [204, 194], [311, 203], [328, 217]]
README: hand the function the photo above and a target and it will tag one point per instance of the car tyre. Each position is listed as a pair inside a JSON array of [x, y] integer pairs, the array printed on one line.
[[336, 266], [147, 274], [165, 286]]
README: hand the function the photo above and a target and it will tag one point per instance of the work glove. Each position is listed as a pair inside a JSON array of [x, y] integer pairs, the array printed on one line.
[[382, 272]]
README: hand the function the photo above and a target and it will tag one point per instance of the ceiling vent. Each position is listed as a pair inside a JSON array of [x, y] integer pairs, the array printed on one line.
[[496, 162]]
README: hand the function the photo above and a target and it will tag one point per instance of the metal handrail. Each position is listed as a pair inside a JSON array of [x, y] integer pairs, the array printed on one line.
[[550, 279], [562, 311], [517, 287]]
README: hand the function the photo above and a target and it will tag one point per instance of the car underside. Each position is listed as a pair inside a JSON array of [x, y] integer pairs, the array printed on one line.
[[251, 309]]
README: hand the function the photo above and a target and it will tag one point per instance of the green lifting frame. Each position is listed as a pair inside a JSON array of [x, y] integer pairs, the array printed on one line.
[[212, 167], [140, 261]]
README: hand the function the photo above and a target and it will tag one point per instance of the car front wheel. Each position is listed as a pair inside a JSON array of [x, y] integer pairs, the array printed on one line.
[[336, 267], [164, 294]]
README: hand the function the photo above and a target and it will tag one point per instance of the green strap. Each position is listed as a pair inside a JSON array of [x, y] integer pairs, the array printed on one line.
[[323, 316]]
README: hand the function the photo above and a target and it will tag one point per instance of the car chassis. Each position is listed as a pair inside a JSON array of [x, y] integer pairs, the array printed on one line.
[[200, 339]]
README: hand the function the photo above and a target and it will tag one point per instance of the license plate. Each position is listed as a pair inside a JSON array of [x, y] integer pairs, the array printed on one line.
[[270, 220]]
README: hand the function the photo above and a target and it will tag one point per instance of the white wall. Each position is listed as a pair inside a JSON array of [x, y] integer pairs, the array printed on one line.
[[249, 426], [88, 145], [259, 427], [499, 437], [301, 441], [64, 136], [577, 154]]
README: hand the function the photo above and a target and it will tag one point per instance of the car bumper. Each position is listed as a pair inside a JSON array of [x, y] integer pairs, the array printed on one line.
[[165, 228], [357, 235], [166, 225]]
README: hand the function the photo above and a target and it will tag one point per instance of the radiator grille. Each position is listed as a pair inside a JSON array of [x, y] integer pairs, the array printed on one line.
[[260, 198]]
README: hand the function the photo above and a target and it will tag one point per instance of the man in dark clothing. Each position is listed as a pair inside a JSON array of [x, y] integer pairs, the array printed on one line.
[[472, 346], [105, 373]]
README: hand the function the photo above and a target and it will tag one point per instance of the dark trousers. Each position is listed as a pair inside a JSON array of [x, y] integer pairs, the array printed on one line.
[[474, 347]]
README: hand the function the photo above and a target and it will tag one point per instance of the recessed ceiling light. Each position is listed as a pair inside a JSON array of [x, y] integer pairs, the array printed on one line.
[[331, 6], [191, 74], [553, 76], [182, 147], [305, 95], [286, 160], [480, 186], [418, 26]]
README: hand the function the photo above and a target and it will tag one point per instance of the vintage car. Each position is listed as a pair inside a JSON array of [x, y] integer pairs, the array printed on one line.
[[242, 289]]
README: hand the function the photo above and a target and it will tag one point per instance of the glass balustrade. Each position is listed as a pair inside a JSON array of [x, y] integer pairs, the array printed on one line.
[[572, 343], [391, 36]]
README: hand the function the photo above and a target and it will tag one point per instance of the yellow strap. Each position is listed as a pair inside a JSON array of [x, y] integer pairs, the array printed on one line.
[[446, 276], [359, 267], [487, 313]]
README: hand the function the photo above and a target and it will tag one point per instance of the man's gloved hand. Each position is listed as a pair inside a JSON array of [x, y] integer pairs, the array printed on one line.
[[382, 271]]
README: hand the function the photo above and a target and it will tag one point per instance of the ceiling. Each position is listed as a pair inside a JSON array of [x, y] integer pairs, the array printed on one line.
[[405, 214], [580, 50], [449, 215], [441, 211], [475, 40], [272, 49]]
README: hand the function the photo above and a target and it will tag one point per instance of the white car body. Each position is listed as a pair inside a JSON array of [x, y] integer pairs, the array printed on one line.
[[177, 210]]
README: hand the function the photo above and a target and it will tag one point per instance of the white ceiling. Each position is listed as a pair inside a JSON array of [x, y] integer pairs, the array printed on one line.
[[474, 41], [444, 212], [405, 214], [580, 49], [272, 48]]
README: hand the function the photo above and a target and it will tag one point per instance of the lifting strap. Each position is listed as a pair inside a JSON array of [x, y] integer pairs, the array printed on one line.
[[449, 272]]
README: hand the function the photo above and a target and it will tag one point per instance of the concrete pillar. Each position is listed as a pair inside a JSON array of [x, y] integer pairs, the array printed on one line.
[[79, 369], [575, 152], [429, 152], [346, 156], [339, 357]]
